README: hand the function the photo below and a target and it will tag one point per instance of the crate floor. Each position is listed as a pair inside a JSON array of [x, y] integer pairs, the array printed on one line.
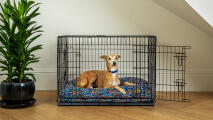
[[142, 91]]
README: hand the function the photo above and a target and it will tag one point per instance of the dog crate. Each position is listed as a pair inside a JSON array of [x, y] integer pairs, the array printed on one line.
[[158, 72]]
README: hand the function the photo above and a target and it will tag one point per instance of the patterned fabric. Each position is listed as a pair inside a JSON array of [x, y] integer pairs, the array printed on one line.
[[140, 92]]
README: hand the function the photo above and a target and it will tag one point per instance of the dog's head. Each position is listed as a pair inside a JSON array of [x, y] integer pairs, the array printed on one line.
[[111, 60]]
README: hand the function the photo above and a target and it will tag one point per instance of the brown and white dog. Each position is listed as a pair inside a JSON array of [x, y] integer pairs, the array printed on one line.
[[103, 78]]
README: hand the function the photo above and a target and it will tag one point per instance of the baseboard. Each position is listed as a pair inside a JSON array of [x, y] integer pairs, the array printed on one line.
[[54, 70]]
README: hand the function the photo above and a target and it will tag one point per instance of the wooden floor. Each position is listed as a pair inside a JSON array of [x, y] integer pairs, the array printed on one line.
[[200, 108]]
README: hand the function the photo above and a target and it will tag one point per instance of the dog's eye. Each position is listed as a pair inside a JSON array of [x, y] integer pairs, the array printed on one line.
[[109, 58], [116, 58]]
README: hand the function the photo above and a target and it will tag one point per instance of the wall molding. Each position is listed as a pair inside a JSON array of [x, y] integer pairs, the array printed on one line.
[[44, 70], [54, 70]]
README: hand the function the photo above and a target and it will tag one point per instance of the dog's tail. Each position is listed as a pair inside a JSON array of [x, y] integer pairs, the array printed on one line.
[[83, 83]]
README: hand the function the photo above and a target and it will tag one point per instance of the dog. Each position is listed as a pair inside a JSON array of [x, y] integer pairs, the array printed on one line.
[[103, 78]]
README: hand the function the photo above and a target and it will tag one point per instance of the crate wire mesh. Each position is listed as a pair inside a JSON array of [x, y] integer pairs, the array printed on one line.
[[162, 67], [170, 72]]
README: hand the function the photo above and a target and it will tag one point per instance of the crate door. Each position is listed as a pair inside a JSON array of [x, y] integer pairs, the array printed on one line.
[[170, 73]]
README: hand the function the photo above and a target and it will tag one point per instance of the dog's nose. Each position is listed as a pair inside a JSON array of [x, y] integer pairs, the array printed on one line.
[[114, 63]]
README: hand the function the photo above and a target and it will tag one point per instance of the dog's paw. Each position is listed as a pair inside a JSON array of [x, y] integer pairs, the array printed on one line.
[[123, 91], [90, 87], [131, 84]]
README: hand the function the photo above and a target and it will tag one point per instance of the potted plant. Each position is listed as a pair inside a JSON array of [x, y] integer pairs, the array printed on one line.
[[18, 30]]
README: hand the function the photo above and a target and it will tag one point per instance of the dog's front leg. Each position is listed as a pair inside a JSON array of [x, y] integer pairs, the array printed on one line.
[[120, 89], [128, 83], [124, 83]]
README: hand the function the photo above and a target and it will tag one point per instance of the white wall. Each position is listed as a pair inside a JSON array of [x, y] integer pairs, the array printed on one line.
[[204, 8], [62, 17]]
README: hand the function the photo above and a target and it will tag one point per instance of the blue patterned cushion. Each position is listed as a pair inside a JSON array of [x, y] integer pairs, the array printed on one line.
[[140, 92]]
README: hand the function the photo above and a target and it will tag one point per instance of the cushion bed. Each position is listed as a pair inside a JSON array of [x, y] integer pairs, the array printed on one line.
[[140, 92]]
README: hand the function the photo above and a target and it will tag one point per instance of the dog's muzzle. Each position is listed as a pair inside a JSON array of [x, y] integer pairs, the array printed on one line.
[[114, 63]]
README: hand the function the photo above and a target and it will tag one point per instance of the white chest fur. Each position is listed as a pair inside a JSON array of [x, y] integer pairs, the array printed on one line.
[[115, 82]]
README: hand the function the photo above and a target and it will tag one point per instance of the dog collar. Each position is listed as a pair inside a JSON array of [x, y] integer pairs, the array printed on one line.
[[114, 71]]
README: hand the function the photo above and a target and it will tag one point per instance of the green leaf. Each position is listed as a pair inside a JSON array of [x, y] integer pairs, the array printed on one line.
[[35, 48], [17, 32], [30, 75]]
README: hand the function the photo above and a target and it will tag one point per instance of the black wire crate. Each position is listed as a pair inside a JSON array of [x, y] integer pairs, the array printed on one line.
[[118, 70]]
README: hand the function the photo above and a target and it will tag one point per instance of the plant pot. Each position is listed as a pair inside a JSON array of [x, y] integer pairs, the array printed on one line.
[[17, 95]]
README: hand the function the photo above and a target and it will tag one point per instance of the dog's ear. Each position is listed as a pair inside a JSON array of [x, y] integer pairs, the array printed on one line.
[[103, 57], [118, 56]]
